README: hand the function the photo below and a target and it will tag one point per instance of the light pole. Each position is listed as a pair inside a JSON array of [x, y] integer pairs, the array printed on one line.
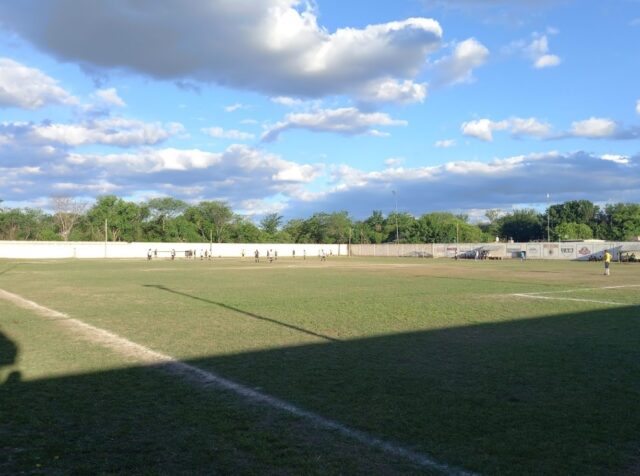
[[396, 199], [548, 210]]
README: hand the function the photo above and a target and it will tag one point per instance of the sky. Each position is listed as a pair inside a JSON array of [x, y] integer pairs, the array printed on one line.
[[297, 107]]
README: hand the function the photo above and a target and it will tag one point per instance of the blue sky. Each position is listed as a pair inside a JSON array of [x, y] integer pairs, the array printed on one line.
[[300, 107]]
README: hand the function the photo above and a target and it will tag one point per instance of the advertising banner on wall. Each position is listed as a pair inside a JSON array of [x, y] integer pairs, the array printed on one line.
[[584, 251], [551, 250], [568, 251]]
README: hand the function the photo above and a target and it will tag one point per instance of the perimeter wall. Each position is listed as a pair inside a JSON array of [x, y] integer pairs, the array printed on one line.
[[61, 249], [566, 250], [85, 249]]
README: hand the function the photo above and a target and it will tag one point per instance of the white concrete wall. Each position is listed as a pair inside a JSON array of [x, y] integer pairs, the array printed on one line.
[[569, 251], [60, 249]]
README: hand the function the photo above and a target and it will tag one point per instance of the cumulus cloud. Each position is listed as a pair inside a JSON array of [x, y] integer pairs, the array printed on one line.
[[536, 50], [275, 47], [445, 143], [483, 128], [348, 121], [220, 133], [391, 90], [394, 161], [110, 97], [235, 107], [287, 101], [110, 131], [29, 88], [638, 106], [593, 128], [458, 67], [464, 185], [258, 207], [619, 159]]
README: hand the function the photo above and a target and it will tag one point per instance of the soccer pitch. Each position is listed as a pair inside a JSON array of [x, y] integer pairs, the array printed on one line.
[[349, 366]]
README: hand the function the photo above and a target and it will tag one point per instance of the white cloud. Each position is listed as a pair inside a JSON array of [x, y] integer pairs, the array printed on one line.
[[445, 143], [98, 187], [275, 47], [233, 163], [110, 97], [618, 159], [535, 49], [349, 121], [529, 127], [458, 68], [287, 101], [258, 207], [112, 131], [464, 185], [390, 90], [638, 106], [29, 88], [483, 128], [220, 133], [394, 161], [593, 128], [538, 51], [547, 61], [235, 107]]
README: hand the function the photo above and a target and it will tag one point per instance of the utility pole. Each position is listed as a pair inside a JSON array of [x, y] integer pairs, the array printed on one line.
[[395, 196], [396, 199], [548, 210], [105, 237]]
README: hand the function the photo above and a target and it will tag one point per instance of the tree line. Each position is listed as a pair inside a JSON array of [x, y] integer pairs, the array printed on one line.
[[170, 220]]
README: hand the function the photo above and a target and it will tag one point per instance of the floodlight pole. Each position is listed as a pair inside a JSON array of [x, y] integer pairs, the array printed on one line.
[[396, 199], [395, 196], [548, 210]]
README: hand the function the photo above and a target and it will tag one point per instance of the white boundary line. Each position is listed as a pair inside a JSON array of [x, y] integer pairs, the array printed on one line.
[[585, 289], [207, 379], [537, 296]]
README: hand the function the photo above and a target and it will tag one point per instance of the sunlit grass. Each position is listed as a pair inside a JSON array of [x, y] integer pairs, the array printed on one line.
[[437, 355]]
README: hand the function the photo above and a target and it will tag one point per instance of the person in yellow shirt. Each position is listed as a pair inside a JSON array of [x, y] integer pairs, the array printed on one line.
[[607, 262]]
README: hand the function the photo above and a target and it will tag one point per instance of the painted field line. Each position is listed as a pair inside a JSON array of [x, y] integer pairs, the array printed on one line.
[[584, 289], [537, 296], [207, 379]]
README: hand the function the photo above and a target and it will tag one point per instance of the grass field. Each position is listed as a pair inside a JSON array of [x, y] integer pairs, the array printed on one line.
[[491, 367]]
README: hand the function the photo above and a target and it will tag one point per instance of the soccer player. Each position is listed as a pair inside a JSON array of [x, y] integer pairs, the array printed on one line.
[[607, 262]]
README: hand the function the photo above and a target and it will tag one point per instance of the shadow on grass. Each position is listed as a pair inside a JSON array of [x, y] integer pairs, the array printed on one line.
[[244, 313], [8, 356], [551, 395]]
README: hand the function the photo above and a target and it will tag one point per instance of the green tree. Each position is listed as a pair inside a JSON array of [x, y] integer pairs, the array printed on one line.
[[623, 221], [211, 220], [295, 229], [338, 227], [521, 225], [271, 223], [123, 219], [573, 231], [242, 230], [163, 210], [376, 227]]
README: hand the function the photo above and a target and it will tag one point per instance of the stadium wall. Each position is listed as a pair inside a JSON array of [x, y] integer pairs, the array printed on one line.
[[94, 250], [564, 250], [89, 250]]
